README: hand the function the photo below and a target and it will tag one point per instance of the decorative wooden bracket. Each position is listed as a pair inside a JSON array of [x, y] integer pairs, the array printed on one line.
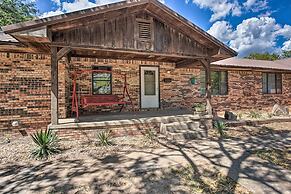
[[64, 51]]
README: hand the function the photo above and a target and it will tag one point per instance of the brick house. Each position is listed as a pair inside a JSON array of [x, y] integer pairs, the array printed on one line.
[[168, 62]]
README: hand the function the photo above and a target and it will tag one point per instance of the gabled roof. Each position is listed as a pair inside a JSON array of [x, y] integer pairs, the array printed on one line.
[[152, 6], [284, 64]]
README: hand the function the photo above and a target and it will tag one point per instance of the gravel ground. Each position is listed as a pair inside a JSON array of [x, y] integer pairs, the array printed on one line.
[[19, 150]]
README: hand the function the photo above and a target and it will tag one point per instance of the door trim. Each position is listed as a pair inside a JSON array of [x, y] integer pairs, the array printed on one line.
[[159, 84]]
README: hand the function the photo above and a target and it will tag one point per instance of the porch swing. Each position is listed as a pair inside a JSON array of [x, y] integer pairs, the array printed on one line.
[[98, 100]]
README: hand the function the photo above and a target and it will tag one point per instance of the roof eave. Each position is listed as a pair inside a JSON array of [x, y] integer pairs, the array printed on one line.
[[13, 28]]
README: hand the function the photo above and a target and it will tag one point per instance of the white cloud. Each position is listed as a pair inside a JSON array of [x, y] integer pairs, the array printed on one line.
[[77, 5], [285, 31], [222, 30], [256, 5], [51, 13], [287, 45], [58, 2], [222, 8], [252, 35]]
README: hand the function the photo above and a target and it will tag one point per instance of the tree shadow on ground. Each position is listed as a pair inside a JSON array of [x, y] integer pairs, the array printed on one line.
[[118, 172], [240, 161]]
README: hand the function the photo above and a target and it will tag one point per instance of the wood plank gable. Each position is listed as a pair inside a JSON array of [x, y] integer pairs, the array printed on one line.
[[128, 31]]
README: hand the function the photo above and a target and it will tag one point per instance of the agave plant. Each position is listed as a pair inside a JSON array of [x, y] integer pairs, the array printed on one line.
[[104, 138], [46, 142], [220, 126]]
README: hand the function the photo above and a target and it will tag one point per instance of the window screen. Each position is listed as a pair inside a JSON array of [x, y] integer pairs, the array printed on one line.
[[149, 83]]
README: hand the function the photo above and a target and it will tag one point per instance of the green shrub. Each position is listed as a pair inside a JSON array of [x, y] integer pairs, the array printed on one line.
[[150, 134], [255, 115], [199, 107], [221, 127], [104, 138], [46, 142]]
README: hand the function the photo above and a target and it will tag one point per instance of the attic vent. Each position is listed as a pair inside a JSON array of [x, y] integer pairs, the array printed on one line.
[[144, 30]]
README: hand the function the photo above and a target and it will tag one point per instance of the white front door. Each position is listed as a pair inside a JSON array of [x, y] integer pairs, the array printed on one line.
[[150, 96]]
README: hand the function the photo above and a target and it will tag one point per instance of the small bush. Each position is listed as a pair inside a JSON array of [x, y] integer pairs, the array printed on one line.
[[199, 107], [220, 126], [46, 142], [150, 134], [104, 138], [255, 115]]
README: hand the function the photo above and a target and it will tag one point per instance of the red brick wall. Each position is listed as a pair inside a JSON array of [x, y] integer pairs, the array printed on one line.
[[25, 88], [178, 93], [245, 92], [24, 91]]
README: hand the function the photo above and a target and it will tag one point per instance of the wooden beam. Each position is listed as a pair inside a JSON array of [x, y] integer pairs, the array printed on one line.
[[54, 87], [206, 65], [127, 51], [64, 51]]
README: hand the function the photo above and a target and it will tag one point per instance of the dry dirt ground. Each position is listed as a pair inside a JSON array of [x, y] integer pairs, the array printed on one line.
[[138, 165]]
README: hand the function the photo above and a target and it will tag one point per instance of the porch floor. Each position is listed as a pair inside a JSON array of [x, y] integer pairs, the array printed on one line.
[[123, 118]]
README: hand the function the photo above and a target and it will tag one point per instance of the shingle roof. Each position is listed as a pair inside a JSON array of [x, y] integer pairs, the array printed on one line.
[[284, 64]]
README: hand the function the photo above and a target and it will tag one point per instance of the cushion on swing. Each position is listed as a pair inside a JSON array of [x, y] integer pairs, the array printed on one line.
[[100, 100]]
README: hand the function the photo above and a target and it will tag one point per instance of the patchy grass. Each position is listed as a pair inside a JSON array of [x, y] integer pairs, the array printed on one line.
[[210, 182], [276, 156]]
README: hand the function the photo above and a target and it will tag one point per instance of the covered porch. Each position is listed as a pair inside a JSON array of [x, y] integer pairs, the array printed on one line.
[[158, 50], [168, 66]]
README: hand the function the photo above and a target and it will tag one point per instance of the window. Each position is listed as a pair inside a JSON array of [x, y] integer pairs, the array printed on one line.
[[272, 83], [102, 81], [218, 80]]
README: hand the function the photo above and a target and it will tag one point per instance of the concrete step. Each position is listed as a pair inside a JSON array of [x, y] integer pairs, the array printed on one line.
[[186, 135]]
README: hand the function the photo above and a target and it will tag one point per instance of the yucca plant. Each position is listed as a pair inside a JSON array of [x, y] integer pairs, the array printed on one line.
[[46, 142], [220, 126], [104, 138]]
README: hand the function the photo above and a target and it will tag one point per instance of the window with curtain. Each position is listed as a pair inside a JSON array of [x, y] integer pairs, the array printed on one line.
[[219, 84], [102, 81], [272, 83]]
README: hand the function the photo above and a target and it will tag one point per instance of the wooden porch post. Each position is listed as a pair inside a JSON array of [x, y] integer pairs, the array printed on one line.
[[54, 87], [206, 65]]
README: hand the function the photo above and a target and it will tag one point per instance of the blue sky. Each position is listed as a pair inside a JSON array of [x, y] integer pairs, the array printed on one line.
[[245, 25]]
